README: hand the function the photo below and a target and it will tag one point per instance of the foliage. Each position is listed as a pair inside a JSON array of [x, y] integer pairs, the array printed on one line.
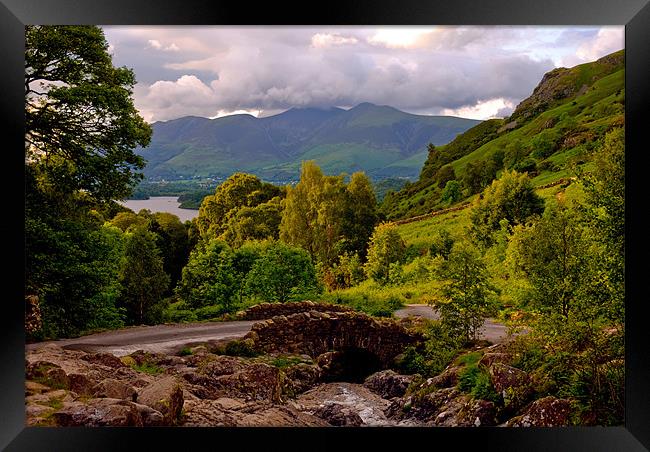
[[452, 192], [439, 350], [512, 198], [261, 222], [238, 191], [81, 124], [280, 272], [464, 302], [241, 347], [327, 217], [142, 278], [208, 278], [346, 273], [386, 247]]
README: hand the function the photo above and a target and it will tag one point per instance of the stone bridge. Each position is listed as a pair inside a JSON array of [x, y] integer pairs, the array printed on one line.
[[268, 310], [314, 333]]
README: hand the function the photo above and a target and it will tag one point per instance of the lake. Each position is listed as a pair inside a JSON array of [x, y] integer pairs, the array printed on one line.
[[161, 204]]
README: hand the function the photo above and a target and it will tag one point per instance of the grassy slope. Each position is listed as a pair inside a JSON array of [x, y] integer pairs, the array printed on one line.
[[595, 111]]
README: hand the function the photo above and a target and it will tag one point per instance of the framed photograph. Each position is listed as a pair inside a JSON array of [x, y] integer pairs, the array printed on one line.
[[250, 225]]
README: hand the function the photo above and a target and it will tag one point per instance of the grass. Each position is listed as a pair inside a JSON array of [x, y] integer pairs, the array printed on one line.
[[147, 368]]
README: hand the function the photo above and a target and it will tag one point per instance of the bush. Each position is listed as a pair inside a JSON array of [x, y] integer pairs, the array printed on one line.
[[244, 347], [209, 312]]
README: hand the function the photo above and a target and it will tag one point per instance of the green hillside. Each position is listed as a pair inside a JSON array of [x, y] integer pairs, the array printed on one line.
[[550, 134]]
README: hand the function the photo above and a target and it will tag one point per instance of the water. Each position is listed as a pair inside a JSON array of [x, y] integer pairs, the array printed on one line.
[[161, 204]]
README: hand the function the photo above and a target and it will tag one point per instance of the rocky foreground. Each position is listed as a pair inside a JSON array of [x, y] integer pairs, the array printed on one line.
[[202, 388]]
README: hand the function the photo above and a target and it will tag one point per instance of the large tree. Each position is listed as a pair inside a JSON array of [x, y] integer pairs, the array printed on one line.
[[81, 124], [81, 132], [142, 277], [511, 197]]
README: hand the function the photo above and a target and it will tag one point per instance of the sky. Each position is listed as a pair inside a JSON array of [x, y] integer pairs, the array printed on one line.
[[471, 72]]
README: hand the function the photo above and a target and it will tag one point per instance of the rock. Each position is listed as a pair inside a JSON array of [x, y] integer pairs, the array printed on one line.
[[477, 413], [504, 377], [164, 395], [513, 384], [150, 417], [80, 383], [497, 357], [337, 414], [254, 382], [114, 389], [47, 373], [447, 379], [99, 412], [301, 377], [388, 383], [104, 359], [32, 387], [546, 412], [222, 365]]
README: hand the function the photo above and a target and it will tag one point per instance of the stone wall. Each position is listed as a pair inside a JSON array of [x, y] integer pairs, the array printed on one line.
[[314, 333], [268, 310]]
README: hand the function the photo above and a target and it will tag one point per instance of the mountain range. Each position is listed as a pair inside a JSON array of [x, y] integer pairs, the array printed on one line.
[[380, 140]]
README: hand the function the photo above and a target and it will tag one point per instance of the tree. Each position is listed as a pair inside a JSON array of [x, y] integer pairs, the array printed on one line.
[[465, 303], [142, 277], [238, 191], [511, 197], [81, 130], [313, 213], [208, 278], [386, 247], [281, 271], [261, 222], [360, 216], [452, 192], [444, 175], [81, 124]]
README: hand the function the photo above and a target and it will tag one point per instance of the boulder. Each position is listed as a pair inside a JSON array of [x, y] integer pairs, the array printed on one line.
[[546, 412], [47, 373], [150, 417], [114, 389], [99, 412], [513, 384], [104, 359], [164, 395], [81, 383], [301, 377], [254, 382], [339, 415], [388, 383], [497, 357], [447, 379]]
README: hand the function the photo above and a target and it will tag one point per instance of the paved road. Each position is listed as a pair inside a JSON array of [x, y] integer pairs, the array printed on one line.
[[171, 338], [492, 330], [155, 339]]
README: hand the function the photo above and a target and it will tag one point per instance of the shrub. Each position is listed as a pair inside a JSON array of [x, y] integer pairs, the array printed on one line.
[[244, 347]]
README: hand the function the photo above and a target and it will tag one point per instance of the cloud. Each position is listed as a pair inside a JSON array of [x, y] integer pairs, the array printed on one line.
[[327, 40], [492, 108], [209, 71], [155, 44]]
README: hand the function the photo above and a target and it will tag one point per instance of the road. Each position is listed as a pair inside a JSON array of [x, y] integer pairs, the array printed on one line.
[[492, 330], [171, 338], [154, 339]]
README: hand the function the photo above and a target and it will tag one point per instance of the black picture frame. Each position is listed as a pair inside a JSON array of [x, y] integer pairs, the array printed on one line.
[[633, 14]]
